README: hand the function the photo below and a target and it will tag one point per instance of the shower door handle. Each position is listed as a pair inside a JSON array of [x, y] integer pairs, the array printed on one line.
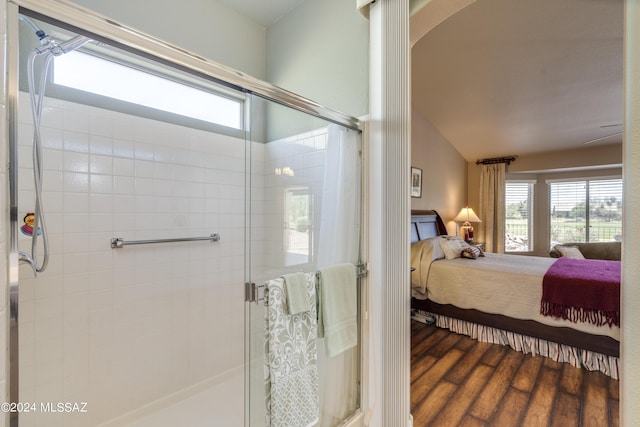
[[252, 292]]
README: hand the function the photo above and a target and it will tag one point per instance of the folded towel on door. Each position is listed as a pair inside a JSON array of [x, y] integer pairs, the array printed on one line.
[[298, 298], [337, 308], [291, 374]]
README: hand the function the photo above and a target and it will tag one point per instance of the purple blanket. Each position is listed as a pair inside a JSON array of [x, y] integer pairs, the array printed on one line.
[[586, 290]]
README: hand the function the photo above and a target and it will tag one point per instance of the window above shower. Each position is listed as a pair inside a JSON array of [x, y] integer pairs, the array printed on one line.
[[102, 77], [106, 76]]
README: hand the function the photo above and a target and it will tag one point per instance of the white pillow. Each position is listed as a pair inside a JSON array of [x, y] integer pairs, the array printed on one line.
[[569, 252], [430, 246], [451, 247]]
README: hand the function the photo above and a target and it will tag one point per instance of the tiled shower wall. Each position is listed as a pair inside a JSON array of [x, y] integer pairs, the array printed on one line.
[[119, 328]]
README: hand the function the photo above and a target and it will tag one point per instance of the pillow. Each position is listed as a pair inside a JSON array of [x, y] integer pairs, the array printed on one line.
[[430, 246], [452, 247], [569, 251], [423, 253], [471, 252]]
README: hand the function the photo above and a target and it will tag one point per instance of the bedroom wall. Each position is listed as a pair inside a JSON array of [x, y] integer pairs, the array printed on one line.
[[444, 171], [609, 155]]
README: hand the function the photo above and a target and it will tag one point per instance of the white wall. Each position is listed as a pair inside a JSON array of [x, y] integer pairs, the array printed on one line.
[[320, 51], [201, 26]]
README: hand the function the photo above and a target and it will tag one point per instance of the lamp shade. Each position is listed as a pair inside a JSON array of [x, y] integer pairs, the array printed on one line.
[[467, 215]]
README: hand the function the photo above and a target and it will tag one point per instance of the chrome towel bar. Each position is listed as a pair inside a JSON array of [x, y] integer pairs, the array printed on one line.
[[117, 242], [255, 293]]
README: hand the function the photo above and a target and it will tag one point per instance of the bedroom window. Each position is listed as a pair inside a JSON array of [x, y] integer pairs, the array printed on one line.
[[585, 211], [518, 216]]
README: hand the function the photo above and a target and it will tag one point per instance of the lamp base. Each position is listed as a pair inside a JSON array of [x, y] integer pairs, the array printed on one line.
[[467, 232]]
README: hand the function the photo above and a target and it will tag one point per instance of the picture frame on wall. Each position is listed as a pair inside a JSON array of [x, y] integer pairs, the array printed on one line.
[[416, 182]]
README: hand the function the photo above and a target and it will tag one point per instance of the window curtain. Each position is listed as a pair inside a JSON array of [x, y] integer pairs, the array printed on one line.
[[492, 210], [339, 242]]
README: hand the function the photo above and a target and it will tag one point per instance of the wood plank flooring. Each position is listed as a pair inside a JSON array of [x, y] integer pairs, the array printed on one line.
[[458, 381]]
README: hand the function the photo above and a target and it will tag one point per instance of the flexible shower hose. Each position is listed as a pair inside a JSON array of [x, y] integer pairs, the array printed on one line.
[[39, 224]]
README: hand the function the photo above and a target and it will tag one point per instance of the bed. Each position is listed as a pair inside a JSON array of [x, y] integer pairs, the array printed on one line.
[[497, 298]]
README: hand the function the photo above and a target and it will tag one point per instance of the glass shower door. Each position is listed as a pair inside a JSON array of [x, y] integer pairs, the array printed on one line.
[[297, 167], [141, 325]]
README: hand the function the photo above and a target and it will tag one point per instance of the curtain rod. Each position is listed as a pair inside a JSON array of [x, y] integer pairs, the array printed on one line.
[[495, 160]]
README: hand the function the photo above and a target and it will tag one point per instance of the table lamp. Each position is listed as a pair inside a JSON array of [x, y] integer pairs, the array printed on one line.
[[467, 216]]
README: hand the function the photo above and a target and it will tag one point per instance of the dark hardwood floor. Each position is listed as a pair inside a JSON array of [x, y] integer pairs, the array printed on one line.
[[458, 381]]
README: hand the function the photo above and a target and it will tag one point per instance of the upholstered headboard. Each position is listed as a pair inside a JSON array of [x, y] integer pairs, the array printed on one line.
[[425, 224]]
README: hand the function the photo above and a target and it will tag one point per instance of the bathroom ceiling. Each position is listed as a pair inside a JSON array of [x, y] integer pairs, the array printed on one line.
[[515, 77], [264, 12]]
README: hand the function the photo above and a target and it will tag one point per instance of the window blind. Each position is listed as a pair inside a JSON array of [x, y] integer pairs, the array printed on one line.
[[585, 211]]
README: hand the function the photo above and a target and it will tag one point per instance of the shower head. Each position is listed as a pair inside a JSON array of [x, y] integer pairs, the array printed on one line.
[[55, 48], [73, 44]]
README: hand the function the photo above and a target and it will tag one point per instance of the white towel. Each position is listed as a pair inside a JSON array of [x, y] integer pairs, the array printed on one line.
[[337, 311], [298, 298], [291, 375]]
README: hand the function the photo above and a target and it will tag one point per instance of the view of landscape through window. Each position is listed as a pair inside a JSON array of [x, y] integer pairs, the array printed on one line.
[[580, 211], [518, 216], [586, 211]]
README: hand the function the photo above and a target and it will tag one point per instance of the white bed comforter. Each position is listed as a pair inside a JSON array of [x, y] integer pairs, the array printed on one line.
[[510, 285]]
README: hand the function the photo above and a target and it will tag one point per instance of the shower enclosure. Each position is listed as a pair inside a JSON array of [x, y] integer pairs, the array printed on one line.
[[163, 219]]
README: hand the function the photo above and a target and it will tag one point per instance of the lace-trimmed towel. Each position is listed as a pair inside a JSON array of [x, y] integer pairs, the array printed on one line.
[[291, 374]]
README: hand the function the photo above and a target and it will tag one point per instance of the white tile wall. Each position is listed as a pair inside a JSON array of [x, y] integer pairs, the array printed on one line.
[[121, 328]]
